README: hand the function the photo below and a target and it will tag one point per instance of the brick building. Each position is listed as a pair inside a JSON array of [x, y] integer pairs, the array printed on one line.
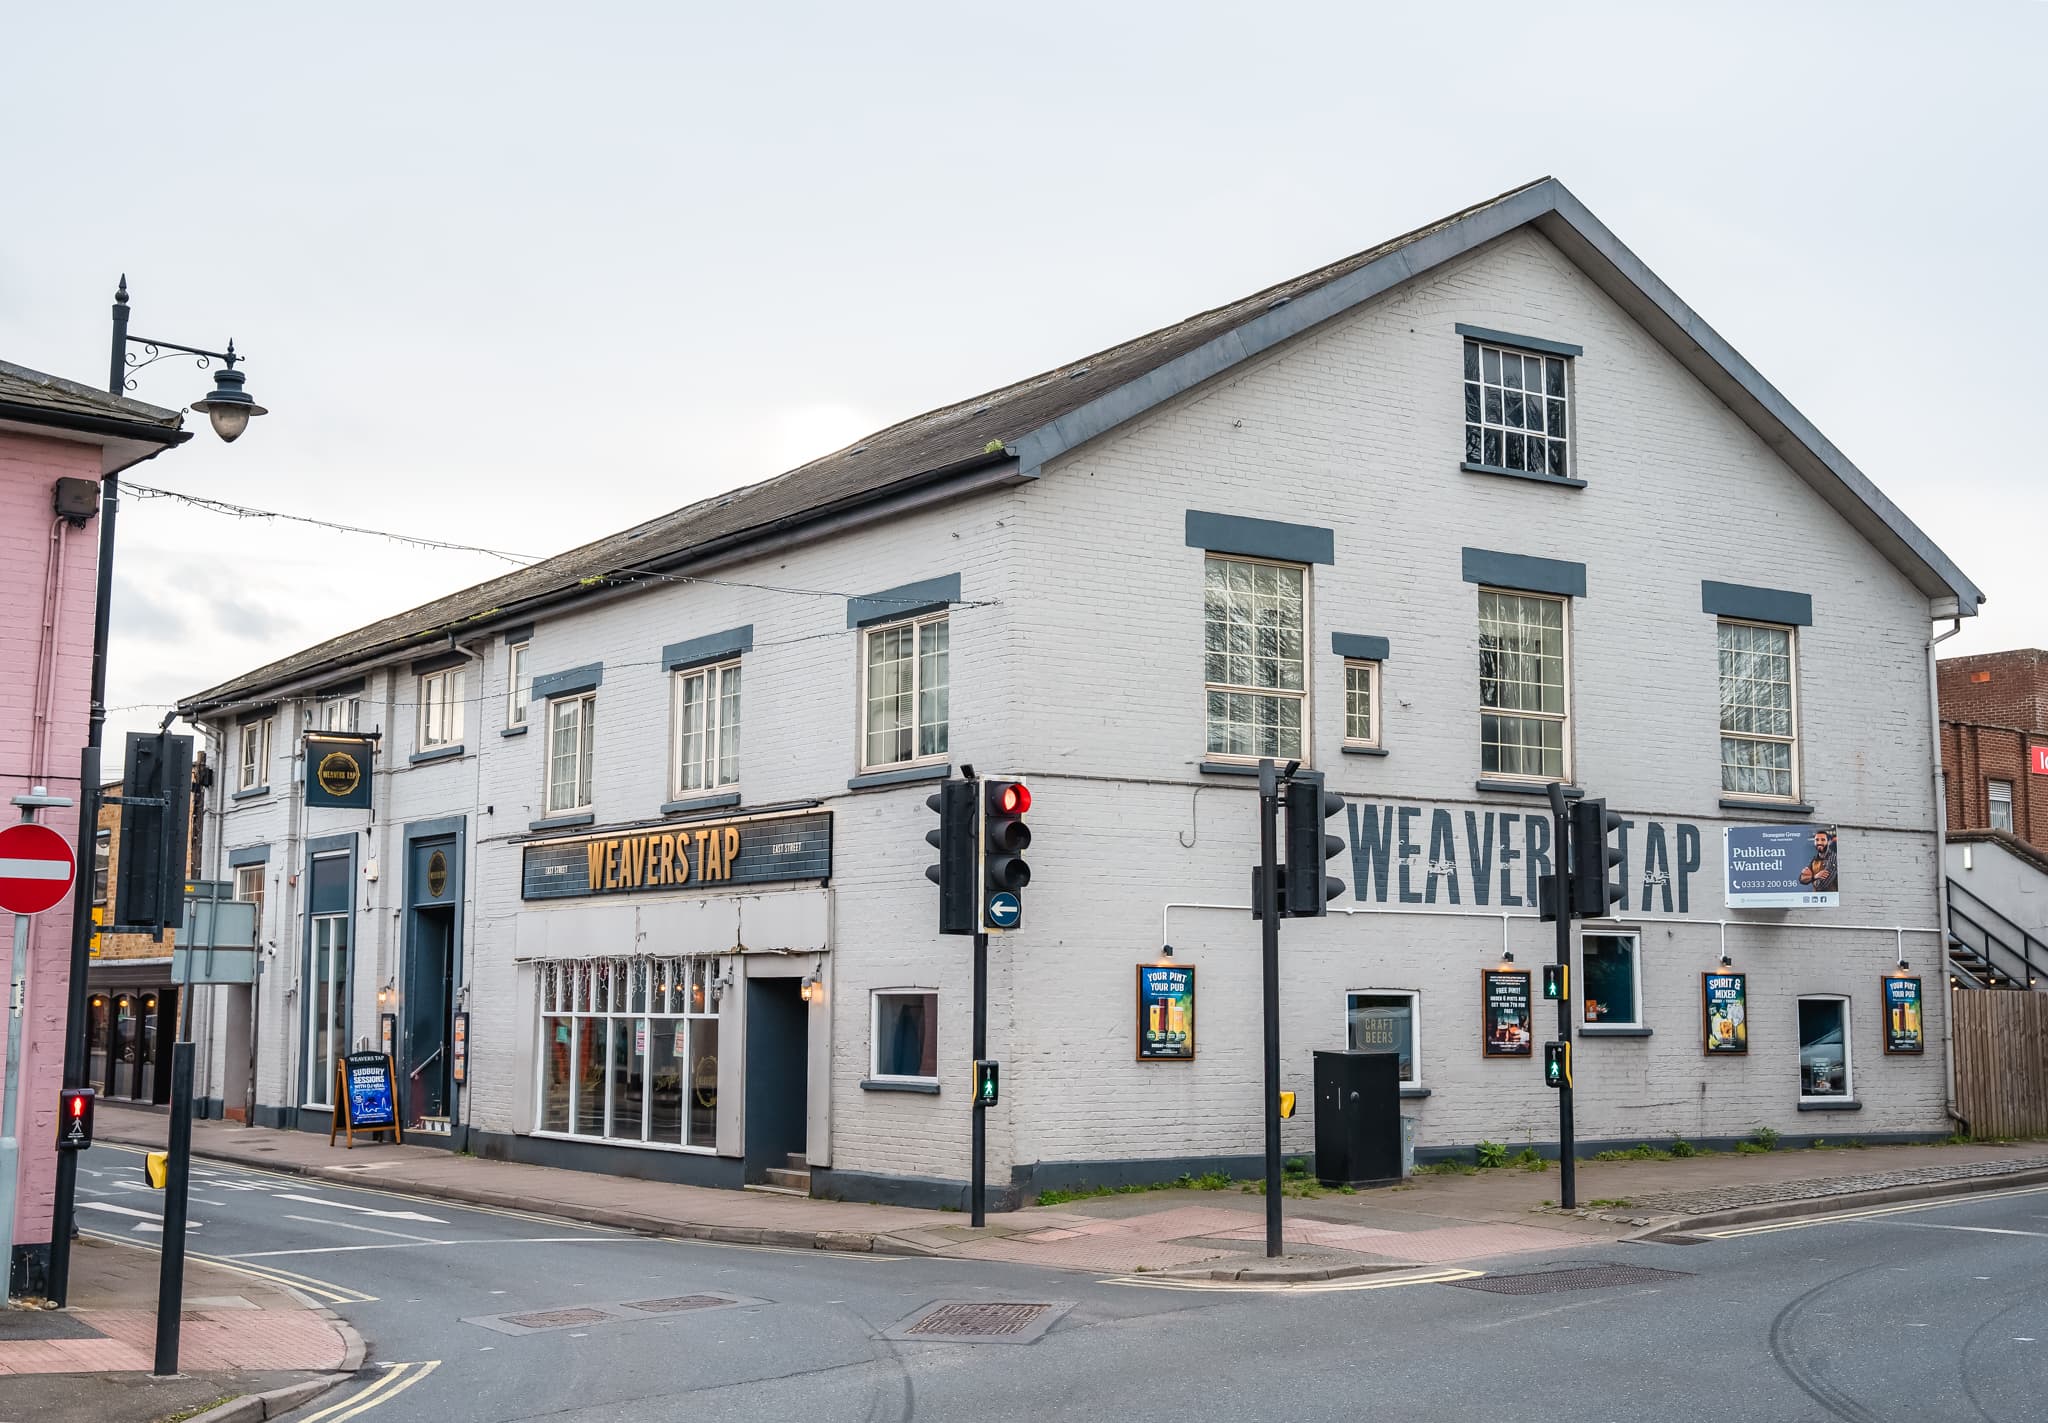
[[1994, 742]]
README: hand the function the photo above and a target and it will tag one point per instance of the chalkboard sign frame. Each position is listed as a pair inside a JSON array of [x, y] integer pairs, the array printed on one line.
[[345, 1119], [1516, 983]]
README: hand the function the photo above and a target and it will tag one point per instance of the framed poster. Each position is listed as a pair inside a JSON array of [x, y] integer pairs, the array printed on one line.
[[1724, 1013], [1902, 1027], [458, 1048], [1781, 866], [1507, 1013], [1166, 1013]]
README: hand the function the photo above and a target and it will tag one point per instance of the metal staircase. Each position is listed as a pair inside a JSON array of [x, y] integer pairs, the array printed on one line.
[[1987, 950]]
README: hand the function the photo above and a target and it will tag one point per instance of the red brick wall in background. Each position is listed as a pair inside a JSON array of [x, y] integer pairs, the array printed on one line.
[[1994, 709]]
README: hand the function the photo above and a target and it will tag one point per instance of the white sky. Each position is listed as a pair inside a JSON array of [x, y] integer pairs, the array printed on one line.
[[519, 275]]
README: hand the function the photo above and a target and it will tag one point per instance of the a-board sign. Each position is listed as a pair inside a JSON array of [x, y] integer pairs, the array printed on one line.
[[1903, 1031], [365, 1097], [1507, 1024], [1724, 1009], [1166, 1013]]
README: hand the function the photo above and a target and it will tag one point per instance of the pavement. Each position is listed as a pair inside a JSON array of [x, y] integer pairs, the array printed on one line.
[[1429, 1220]]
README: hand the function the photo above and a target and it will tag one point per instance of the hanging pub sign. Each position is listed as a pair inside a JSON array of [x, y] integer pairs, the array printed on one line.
[[1724, 1009], [710, 854], [1781, 866], [364, 1099], [1166, 1013], [1507, 1022], [1902, 1027], [338, 771]]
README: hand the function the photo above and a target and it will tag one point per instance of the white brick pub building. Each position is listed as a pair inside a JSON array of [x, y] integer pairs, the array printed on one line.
[[1480, 507]]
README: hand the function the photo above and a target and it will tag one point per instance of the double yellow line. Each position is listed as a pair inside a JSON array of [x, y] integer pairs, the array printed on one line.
[[396, 1380]]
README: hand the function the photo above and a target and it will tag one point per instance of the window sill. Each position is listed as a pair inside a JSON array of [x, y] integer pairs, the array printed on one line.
[[1830, 1104], [1771, 807], [439, 753], [1228, 768], [513, 731], [1536, 788], [1363, 750], [708, 802], [1529, 475], [884, 1084], [901, 776], [251, 793], [1414, 1094], [1596, 1030], [589, 1140], [563, 822]]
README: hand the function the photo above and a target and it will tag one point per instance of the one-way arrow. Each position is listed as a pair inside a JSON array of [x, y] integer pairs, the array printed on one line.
[[364, 1210], [150, 1222]]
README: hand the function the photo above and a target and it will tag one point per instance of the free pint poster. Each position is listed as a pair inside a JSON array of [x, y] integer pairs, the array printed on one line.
[[1903, 1031], [1507, 1026], [1166, 1013], [1725, 1004]]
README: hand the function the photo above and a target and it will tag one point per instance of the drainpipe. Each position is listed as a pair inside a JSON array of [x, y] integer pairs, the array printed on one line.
[[1941, 860]]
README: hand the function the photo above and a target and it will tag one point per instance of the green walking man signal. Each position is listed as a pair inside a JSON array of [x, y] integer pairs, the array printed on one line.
[[1557, 1064], [986, 1072], [1557, 982]]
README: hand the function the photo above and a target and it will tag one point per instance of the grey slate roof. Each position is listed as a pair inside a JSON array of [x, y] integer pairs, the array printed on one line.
[[41, 391], [1042, 416]]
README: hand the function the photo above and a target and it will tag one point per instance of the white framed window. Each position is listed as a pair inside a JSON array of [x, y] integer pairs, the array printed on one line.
[[337, 714], [705, 740], [253, 750], [1759, 711], [629, 1051], [1999, 796], [249, 890], [1255, 658], [1361, 703], [903, 1035], [1824, 1043], [1524, 699], [441, 708], [1611, 980], [904, 693], [327, 1007], [572, 731], [518, 684], [1516, 410], [1387, 1020]]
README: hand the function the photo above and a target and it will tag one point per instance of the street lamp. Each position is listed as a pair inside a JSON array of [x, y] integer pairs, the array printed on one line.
[[229, 408]]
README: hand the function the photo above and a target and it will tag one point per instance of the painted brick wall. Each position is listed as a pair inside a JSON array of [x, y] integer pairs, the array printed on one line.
[[1994, 710]]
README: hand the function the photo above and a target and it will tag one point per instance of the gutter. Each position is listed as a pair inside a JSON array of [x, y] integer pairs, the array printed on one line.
[[93, 424], [1941, 859]]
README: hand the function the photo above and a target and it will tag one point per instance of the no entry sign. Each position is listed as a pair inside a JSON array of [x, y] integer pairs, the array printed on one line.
[[36, 867]]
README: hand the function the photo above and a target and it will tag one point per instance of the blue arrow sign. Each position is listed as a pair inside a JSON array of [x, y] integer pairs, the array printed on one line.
[[1004, 910]]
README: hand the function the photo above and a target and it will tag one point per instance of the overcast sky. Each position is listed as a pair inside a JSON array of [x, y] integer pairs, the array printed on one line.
[[520, 275]]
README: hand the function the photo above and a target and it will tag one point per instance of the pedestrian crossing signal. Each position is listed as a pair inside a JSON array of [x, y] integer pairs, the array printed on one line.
[[1557, 1064], [74, 1118], [985, 1075], [1557, 982]]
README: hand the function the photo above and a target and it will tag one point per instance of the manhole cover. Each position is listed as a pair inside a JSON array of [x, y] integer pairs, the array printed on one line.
[[980, 1322], [677, 1304], [557, 1318], [1585, 1277]]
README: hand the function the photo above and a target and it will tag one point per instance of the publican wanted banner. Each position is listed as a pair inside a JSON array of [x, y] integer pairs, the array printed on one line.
[[712, 854], [1782, 866]]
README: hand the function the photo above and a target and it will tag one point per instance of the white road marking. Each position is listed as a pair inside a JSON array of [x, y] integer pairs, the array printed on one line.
[[1833, 1218], [368, 1229], [351, 1249], [1973, 1229], [1306, 1287], [366, 1210], [152, 1220]]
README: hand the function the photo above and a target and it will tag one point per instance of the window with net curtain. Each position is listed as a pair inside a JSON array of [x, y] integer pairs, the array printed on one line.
[[906, 710], [1522, 710], [1254, 658], [1758, 720], [572, 732], [707, 704]]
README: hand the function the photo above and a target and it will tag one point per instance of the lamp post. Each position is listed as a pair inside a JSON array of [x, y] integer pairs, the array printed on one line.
[[230, 410]]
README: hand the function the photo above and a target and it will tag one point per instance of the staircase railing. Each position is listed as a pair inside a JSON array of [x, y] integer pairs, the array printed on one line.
[[2030, 952]]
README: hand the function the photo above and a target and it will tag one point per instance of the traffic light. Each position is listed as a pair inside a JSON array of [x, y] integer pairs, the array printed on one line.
[[954, 873], [986, 1073], [1305, 888], [1557, 982], [1004, 839], [74, 1118], [1557, 1064], [1592, 858]]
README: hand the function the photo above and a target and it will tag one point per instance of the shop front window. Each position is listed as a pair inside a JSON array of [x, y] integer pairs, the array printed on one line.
[[1613, 985], [906, 1036], [1384, 1021], [629, 1050]]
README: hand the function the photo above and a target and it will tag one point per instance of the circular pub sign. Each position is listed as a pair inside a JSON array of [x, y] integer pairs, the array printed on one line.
[[339, 773], [437, 874]]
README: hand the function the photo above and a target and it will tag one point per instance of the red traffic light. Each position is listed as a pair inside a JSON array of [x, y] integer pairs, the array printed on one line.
[[77, 1106], [1016, 798]]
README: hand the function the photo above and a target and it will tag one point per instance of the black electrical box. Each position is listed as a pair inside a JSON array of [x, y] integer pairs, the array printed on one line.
[[1358, 1118], [76, 499]]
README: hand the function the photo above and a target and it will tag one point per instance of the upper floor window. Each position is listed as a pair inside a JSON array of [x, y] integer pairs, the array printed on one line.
[[1254, 657], [1515, 410], [1361, 703], [2001, 805], [441, 708], [519, 685], [254, 755], [102, 863], [1758, 725], [1523, 707], [249, 889], [571, 735], [707, 728], [337, 714], [904, 693]]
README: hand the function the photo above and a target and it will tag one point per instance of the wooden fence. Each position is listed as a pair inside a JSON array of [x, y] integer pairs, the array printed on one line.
[[2002, 1061]]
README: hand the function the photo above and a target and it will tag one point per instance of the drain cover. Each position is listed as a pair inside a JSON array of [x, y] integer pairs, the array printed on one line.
[[1585, 1277], [557, 1318], [980, 1322], [677, 1303]]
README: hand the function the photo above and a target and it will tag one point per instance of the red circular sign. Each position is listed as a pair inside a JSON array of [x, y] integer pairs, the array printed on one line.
[[36, 868]]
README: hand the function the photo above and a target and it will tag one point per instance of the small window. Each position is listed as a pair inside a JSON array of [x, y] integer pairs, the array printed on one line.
[[337, 714], [1758, 720], [1361, 703], [249, 890], [1824, 1049], [102, 860], [2001, 805], [1516, 411], [254, 773], [441, 708], [906, 1035], [1613, 981], [1254, 658], [519, 685], [904, 693], [1522, 701], [571, 737], [706, 751], [1385, 1020]]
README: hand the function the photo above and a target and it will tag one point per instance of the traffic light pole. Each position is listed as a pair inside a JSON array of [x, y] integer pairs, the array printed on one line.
[[978, 1186], [170, 1292], [1568, 1190], [1269, 934]]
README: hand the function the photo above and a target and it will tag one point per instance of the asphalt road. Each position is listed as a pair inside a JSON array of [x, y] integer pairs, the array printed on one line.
[[1930, 1312]]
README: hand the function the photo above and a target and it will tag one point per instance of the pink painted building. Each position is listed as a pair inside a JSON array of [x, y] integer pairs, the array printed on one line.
[[58, 441]]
